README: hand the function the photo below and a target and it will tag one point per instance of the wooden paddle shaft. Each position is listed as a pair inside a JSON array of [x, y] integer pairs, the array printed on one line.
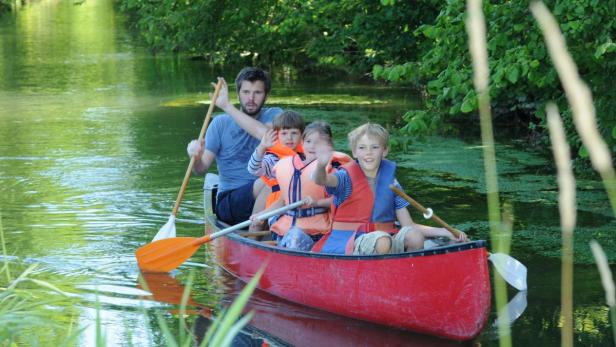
[[193, 159], [241, 225], [423, 210]]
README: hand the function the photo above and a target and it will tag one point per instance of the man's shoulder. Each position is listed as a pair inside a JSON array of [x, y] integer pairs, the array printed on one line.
[[269, 113]]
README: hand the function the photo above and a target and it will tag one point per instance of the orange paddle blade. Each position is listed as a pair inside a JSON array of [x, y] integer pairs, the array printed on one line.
[[167, 254]]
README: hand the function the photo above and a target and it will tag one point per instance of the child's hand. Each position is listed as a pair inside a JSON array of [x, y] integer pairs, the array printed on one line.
[[461, 238], [323, 152], [309, 201], [268, 140], [254, 218], [195, 148]]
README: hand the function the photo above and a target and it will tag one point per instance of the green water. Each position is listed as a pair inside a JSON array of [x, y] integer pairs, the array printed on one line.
[[93, 131]]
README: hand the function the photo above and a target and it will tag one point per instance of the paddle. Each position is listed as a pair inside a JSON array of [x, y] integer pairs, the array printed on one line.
[[168, 230], [509, 268], [167, 254]]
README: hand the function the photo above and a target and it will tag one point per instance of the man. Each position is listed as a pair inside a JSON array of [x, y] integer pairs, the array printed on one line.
[[231, 146]]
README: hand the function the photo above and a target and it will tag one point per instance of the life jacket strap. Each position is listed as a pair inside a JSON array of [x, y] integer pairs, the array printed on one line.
[[306, 212]]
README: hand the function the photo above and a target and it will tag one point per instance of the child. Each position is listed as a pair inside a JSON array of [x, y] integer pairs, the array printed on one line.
[[362, 223], [293, 174], [284, 140]]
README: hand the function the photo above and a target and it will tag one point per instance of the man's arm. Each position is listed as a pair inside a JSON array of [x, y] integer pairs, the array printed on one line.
[[249, 124], [203, 162], [203, 157]]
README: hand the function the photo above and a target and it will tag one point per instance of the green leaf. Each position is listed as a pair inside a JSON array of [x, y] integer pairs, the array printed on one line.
[[614, 132], [534, 63], [583, 152], [467, 106], [377, 71], [512, 74], [605, 48]]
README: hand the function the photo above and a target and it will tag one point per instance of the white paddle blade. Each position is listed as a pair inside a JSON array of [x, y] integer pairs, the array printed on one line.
[[513, 310], [167, 231], [510, 269]]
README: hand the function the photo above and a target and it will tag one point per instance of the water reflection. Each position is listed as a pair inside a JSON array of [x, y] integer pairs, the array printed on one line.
[[93, 132]]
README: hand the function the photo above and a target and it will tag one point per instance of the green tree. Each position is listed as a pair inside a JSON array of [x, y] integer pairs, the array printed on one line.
[[522, 76]]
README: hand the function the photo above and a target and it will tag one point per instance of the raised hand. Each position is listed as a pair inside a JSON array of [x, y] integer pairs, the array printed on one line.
[[223, 96], [268, 139], [323, 152]]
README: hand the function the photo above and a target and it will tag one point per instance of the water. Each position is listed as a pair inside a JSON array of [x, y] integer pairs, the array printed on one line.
[[93, 131]]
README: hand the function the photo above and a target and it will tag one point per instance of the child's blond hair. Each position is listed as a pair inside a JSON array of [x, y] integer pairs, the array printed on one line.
[[370, 129]]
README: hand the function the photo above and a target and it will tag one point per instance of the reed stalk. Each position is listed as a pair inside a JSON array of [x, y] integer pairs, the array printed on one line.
[[5, 266], [566, 205], [607, 281], [475, 26], [579, 97]]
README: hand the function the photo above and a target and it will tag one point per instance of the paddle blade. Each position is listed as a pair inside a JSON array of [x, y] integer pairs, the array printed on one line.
[[167, 231], [510, 269], [167, 254]]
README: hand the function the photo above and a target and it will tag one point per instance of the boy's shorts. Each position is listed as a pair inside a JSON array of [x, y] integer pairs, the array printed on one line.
[[365, 244], [235, 206]]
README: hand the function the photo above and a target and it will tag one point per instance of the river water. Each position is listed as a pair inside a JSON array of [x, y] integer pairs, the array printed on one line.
[[93, 131]]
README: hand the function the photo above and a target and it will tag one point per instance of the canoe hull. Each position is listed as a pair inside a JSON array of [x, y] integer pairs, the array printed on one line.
[[443, 292]]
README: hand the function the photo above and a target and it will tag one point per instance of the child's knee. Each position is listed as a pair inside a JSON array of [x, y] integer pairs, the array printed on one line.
[[383, 245], [413, 240]]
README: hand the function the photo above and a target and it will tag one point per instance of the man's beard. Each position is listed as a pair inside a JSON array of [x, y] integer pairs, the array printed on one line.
[[252, 114]]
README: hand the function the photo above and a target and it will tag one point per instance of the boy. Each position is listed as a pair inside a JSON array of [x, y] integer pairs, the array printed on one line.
[[284, 140], [362, 223]]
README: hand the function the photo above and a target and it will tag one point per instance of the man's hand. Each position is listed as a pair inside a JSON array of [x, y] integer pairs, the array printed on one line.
[[195, 148], [223, 96]]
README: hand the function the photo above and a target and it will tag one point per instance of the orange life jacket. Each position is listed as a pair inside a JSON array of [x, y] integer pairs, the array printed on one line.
[[312, 221], [281, 151]]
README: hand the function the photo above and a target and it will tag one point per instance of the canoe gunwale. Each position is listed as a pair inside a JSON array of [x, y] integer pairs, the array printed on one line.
[[458, 247]]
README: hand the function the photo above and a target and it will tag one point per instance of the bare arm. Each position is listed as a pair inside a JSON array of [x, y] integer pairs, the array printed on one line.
[[249, 124], [323, 153], [203, 157], [404, 217], [203, 162]]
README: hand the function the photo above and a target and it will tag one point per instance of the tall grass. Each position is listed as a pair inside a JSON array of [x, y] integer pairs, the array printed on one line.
[[23, 311], [566, 184], [475, 26], [580, 99]]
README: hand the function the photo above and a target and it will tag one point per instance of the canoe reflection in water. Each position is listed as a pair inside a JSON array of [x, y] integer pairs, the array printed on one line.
[[277, 322]]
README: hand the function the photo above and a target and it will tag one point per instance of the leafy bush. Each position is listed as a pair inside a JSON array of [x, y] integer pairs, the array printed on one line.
[[522, 77]]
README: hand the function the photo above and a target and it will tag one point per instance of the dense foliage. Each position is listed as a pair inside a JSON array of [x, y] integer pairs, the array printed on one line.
[[523, 79], [349, 34], [422, 43]]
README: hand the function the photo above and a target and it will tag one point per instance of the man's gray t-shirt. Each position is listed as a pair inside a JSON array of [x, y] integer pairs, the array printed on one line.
[[233, 147]]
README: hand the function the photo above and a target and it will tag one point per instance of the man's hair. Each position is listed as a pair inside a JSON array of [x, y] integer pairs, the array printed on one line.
[[321, 128], [370, 129], [289, 120], [253, 74]]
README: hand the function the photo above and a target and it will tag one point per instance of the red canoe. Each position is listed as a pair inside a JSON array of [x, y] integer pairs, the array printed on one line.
[[443, 291]]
